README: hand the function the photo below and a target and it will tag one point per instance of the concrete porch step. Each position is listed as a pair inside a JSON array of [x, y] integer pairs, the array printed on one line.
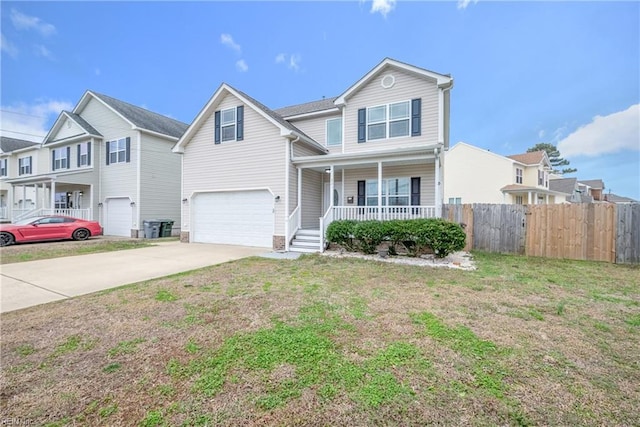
[[303, 249]]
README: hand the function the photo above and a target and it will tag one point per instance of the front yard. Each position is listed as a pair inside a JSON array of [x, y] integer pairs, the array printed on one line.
[[330, 341]]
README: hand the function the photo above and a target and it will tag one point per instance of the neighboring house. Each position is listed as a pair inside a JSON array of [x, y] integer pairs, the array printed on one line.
[[16, 156], [278, 178], [620, 200], [106, 160], [475, 175], [569, 187], [593, 188]]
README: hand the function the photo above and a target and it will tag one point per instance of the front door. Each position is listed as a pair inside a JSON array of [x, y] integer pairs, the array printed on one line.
[[337, 196]]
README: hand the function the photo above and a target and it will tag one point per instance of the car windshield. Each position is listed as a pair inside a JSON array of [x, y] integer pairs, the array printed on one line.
[[28, 220]]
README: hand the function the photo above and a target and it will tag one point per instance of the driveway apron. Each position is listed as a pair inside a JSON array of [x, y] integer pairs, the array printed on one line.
[[37, 282]]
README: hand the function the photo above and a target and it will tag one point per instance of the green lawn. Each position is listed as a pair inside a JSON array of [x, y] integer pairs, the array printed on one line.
[[327, 341]]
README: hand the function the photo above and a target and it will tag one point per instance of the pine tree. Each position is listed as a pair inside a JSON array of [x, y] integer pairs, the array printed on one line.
[[554, 157]]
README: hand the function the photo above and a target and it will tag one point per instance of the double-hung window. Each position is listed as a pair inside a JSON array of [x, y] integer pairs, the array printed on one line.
[[84, 153], [395, 192], [455, 200], [117, 151], [61, 158], [388, 121], [334, 131], [24, 166], [540, 178], [518, 176], [3, 167], [228, 124]]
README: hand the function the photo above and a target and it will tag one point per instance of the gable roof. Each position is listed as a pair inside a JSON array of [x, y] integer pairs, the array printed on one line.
[[598, 184], [563, 185], [307, 107], [138, 117], [533, 158], [7, 144], [442, 80], [286, 128], [82, 123], [614, 198]]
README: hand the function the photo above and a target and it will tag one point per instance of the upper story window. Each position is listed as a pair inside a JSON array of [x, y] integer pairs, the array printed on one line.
[[118, 151], [24, 165], [84, 154], [518, 176], [390, 120], [542, 179], [60, 158], [3, 167], [229, 125], [334, 131]]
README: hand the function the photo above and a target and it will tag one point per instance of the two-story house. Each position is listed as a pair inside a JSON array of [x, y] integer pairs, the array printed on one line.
[[16, 157], [475, 175], [106, 160], [278, 178]]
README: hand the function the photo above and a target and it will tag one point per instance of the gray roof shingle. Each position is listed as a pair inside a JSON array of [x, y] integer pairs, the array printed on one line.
[[8, 144], [145, 119], [563, 185], [83, 123], [307, 107], [593, 183]]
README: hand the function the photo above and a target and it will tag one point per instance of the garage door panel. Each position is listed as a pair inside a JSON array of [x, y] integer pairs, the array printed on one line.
[[117, 220], [234, 218]]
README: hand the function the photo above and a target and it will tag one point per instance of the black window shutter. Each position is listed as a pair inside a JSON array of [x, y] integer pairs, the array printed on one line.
[[128, 153], [79, 145], [68, 157], [217, 128], [89, 153], [240, 123], [362, 199], [362, 125], [107, 145], [415, 191], [53, 160], [30, 164], [416, 116]]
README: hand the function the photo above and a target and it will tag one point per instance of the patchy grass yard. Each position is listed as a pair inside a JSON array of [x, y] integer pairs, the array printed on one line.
[[326, 341]]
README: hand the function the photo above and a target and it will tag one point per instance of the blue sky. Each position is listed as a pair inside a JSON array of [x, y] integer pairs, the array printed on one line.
[[567, 73]]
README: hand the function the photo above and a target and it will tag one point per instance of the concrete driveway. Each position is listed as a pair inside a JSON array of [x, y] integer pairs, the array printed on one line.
[[31, 283]]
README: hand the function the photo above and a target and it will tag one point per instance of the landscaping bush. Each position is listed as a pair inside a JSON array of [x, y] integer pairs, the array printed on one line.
[[368, 235], [341, 233], [444, 237], [396, 232]]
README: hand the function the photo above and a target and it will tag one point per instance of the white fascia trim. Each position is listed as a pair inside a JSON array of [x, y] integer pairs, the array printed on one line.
[[158, 134], [70, 140], [318, 113], [230, 190], [400, 154]]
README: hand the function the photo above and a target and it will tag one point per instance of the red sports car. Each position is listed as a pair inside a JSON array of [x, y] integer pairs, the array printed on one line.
[[41, 228]]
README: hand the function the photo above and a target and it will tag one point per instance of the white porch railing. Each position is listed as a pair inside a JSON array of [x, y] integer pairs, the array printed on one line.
[[293, 222], [4, 212], [384, 213], [19, 214], [324, 223]]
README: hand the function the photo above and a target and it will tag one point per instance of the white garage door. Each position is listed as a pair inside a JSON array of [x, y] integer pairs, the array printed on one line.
[[117, 217], [234, 218]]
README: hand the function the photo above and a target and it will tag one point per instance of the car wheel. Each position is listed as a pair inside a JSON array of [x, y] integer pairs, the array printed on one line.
[[81, 234], [6, 239]]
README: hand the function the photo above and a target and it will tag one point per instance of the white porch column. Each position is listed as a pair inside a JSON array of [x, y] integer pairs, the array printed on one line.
[[24, 196], [53, 194], [299, 198], [287, 169], [332, 186], [437, 183], [379, 191], [44, 194], [529, 197]]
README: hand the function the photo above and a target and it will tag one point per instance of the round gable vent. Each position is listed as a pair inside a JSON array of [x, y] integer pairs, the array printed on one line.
[[388, 81]]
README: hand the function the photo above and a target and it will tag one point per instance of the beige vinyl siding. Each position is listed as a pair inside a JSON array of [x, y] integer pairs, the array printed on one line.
[[425, 171], [407, 87], [256, 162], [68, 129], [118, 179], [160, 172], [316, 128], [311, 198]]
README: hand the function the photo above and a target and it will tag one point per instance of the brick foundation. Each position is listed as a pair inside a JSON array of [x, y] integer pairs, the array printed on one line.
[[278, 243], [184, 236]]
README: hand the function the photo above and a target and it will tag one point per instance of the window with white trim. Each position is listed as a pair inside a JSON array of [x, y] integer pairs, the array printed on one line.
[[540, 178], [118, 151], [455, 200], [518, 176], [395, 192], [334, 131], [83, 154], [60, 158], [228, 124], [3, 167], [388, 121], [24, 166]]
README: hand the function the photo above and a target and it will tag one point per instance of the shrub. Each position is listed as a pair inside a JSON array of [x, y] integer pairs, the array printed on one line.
[[341, 233], [369, 234], [444, 236], [396, 232]]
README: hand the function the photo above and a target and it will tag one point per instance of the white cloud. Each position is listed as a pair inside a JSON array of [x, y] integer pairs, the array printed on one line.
[[44, 52], [242, 66], [26, 22], [541, 134], [281, 57], [8, 47], [294, 62], [462, 4], [227, 40], [605, 134], [383, 6], [97, 71], [31, 121]]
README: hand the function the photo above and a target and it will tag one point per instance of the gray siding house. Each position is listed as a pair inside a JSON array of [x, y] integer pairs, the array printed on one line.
[[109, 161], [277, 178]]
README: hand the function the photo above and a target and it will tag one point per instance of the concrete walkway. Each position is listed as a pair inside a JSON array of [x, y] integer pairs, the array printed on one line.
[[31, 283]]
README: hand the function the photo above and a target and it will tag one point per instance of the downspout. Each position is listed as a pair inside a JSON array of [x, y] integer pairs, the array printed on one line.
[[438, 200]]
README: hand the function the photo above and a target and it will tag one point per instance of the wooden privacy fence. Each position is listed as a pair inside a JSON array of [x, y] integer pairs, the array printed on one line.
[[587, 231]]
